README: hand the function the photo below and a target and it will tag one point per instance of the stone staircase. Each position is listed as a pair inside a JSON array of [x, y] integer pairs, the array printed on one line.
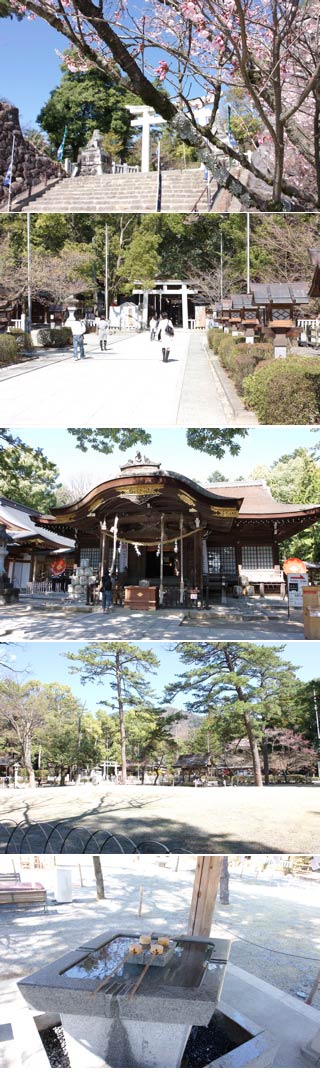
[[182, 191]]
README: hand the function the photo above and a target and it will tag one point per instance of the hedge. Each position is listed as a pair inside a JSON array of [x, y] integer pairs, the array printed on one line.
[[8, 348], [237, 357], [60, 337], [23, 339], [55, 337], [285, 391]]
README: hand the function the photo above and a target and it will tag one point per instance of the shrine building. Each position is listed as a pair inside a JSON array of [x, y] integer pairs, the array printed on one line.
[[156, 529]]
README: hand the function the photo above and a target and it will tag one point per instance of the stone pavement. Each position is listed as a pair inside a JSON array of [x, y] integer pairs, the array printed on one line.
[[26, 622], [186, 819], [123, 387]]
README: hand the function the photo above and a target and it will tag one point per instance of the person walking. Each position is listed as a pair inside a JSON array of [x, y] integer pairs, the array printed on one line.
[[165, 331], [153, 328], [102, 327], [106, 590], [78, 328]]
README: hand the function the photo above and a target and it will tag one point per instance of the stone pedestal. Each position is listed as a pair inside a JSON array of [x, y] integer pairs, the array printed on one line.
[[120, 1043], [112, 1026], [280, 346], [93, 160]]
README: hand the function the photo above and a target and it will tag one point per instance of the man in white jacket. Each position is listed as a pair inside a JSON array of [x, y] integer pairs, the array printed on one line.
[[78, 328]]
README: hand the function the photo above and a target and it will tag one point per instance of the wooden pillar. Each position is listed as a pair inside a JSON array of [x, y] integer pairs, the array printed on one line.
[[103, 533], [181, 561], [114, 550], [161, 560], [195, 572], [205, 890], [200, 539]]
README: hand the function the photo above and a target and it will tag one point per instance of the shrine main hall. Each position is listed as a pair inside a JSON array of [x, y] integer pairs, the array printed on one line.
[[166, 539]]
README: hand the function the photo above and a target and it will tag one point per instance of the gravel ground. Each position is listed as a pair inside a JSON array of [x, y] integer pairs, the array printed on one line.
[[55, 1046]]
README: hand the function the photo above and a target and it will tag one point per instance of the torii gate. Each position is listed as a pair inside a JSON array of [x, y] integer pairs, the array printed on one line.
[[146, 118]]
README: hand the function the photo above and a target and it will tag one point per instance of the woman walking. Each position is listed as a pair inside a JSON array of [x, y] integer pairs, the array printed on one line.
[[106, 590], [164, 334], [102, 328]]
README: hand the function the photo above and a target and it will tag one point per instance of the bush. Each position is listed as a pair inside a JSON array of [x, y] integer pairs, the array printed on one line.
[[238, 358], [8, 348], [60, 337], [24, 341], [285, 391], [55, 337], [43, 335]]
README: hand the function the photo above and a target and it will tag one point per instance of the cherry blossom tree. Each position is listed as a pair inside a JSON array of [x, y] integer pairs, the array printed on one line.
[[269, 50]]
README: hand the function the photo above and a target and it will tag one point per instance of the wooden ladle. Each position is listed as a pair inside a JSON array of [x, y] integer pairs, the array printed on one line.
[[135, 948], [155, 951]]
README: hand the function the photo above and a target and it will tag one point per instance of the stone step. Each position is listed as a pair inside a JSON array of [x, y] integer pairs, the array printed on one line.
[[182, 191]]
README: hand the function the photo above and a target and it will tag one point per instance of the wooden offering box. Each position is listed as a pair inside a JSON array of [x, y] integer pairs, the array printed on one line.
[[144, 597]]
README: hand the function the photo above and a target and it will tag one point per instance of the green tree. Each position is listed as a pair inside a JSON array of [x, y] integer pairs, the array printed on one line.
[[83, 102], [216, 441], [22, 715], [308, 710], [26, 474], [71, 737], [126, 667], [236, 683], [151, 735], [216, 477], [295, 478]]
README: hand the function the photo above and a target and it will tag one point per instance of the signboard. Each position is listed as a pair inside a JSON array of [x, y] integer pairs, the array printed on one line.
[[296, 572], [296, 583]]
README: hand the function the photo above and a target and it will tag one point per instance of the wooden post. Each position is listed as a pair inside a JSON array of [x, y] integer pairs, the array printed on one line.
[[205, 890], [161, 593], [103, 530], [181, 561], [114, 551]]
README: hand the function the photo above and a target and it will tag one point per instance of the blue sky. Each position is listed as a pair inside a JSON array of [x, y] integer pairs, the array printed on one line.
[[46, 661], [262, 446], [30, 68]]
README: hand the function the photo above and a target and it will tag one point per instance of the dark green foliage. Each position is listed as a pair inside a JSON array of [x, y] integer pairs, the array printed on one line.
[[23, 339], [216, 441], [60, 337], [106, 439], [238, 358], [8, 348], [285, 391], [26, 475], [84, 102]]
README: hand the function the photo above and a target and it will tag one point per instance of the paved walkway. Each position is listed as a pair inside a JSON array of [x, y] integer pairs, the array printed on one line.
[[186, 819], [124, 387], [26, 623]]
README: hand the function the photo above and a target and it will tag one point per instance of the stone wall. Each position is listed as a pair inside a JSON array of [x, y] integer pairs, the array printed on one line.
[[30, 166]]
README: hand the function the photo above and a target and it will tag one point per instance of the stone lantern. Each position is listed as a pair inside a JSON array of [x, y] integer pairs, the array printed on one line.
[[71, 304]]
